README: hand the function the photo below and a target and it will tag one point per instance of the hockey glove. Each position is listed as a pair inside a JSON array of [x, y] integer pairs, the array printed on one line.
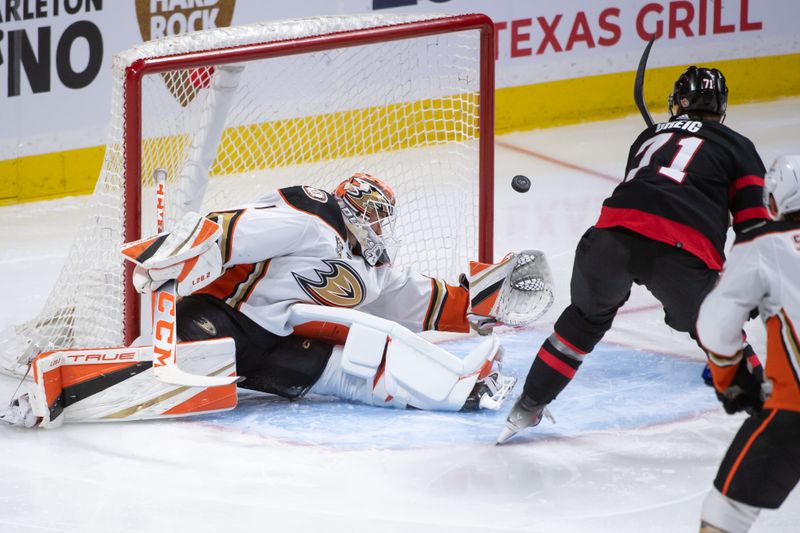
[[190, 254], [747, 391], [516, 291]]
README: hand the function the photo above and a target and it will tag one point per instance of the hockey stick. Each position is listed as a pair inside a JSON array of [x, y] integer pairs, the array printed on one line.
[[165, 333], [638, 84], [165, 341]]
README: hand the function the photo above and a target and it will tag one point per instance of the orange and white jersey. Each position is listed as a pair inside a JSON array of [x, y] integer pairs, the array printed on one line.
[[762, 270], [291, 246]]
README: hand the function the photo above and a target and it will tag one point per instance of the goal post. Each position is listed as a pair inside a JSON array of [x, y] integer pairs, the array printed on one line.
[[232, 113]]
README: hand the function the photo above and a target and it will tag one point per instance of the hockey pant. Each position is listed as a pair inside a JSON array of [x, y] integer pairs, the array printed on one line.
[[762, 464], [607, 263], [286, 366]]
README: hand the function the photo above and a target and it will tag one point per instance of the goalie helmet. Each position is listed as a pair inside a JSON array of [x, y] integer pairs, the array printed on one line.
[[782, 186], [368, 205], [699, 89]]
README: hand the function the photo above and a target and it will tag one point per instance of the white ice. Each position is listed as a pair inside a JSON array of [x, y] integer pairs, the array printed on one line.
[[636, 446]]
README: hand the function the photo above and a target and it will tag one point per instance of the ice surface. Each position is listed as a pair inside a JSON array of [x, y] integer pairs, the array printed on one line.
[[636, 446]]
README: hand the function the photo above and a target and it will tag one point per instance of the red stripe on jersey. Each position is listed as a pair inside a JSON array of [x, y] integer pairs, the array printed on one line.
[[556, 364], [746, 181], [749, 214], [663, 230]]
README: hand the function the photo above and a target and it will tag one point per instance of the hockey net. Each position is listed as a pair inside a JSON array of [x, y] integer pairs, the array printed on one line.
[[232, 113]]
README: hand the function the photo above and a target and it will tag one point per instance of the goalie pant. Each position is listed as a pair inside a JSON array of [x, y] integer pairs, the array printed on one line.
[[762, 464], [308, 361]]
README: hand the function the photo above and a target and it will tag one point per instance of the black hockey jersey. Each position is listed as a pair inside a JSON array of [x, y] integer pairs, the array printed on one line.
[[682, 180]]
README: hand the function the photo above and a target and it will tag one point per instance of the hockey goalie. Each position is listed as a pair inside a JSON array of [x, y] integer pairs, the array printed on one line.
[[293, 294]]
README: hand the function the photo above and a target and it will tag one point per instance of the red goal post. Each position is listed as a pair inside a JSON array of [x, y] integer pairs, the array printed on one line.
[[233, 112], [380, 34]]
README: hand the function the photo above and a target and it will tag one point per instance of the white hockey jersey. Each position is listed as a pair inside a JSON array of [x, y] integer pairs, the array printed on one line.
[[291, 246], [763, 269]]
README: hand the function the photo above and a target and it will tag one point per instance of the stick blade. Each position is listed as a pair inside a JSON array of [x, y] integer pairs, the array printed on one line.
[[173, 375]]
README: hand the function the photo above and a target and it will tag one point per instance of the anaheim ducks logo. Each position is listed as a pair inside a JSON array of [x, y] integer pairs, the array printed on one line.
[[364, 194], [315, 194], [341, 286]]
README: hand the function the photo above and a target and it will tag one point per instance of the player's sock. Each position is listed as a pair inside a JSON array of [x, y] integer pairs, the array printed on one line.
[[554, 367]]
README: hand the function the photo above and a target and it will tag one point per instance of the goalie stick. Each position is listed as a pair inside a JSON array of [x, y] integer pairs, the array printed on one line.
[[165, 334], [638, 84], [165, 341]]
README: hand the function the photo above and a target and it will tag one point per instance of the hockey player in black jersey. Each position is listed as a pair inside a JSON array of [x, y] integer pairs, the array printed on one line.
[[663, 227]]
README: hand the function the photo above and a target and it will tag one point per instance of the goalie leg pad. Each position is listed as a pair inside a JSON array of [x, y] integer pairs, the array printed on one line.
[[372, 369], [286, 366], [114, 384]]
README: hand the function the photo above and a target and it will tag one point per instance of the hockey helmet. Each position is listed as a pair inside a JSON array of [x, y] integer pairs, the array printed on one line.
[[699, 89], [369, 208], [782, 186]]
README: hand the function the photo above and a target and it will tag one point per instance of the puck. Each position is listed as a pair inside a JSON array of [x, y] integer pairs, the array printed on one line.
[[520, 183]]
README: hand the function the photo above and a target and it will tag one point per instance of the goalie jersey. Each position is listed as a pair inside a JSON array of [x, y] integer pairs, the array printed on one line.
[[684, 179], [761, 271], [291, 247]]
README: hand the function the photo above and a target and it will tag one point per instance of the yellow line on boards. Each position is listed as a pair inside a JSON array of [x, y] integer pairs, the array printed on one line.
[[426, 122]]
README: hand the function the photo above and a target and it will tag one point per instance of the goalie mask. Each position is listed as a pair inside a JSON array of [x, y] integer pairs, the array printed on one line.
[[369, 208], [782, 186]]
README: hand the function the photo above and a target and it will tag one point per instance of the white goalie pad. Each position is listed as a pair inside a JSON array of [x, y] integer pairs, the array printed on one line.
[[116, 384], [416, 372]]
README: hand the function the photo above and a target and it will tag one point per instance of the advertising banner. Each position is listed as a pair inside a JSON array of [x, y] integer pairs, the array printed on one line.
[[55, 55]]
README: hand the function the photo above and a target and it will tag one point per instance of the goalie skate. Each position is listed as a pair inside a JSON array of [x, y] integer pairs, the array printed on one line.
[[20, 413], [490, 392]]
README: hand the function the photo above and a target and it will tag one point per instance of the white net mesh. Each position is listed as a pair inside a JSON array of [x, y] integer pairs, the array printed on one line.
[[406, 111]]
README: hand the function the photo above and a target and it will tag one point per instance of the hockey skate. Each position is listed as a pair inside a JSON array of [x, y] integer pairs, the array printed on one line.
[[490, 392], [525, 413], [20, 413]]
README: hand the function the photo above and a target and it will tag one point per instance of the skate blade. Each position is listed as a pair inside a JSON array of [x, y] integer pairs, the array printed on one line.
[[506, 434]]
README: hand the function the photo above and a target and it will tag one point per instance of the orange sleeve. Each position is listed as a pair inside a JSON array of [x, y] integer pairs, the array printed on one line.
[[447, 310]]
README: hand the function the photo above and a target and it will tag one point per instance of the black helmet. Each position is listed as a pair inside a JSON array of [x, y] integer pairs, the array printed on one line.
[[699, 89]]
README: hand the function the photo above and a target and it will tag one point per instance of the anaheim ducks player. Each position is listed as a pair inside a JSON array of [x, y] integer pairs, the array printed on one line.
[[762, 464], [305, 245]]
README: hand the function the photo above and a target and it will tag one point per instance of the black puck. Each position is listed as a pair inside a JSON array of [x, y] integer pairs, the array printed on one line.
[[520, 183]]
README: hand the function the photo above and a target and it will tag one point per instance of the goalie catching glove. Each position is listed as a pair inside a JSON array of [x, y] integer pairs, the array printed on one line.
[[190, 255], [516, 291]]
